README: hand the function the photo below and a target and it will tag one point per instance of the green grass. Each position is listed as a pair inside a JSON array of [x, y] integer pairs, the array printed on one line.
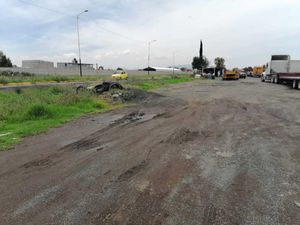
[[149, 84], [29, 112], [32, 111], [51, 78]]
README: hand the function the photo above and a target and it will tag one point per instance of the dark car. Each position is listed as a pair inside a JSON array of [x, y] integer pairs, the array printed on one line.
[[243, 75]]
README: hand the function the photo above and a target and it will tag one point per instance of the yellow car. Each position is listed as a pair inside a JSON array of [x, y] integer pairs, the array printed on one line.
[[120, 75], [230, 75]]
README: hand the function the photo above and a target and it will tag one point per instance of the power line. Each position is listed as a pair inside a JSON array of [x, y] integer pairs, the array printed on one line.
[[43, 7], [124, 36], [63, 13], [101, 27]]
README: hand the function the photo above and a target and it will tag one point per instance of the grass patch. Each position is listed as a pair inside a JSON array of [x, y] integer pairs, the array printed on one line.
[[33, 111], [4, 79], [26, 112], [148, 84]]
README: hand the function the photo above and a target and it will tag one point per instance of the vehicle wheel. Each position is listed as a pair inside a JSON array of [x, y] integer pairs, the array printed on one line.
[[80, 89], [273, 79], [295, 84], [99, 89], [116, 86]]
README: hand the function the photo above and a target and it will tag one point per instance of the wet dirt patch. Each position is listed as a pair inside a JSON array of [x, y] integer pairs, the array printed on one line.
[[84, 145], [130, 118], [131, 172], [44, 162], [181, 136], [137, 95]]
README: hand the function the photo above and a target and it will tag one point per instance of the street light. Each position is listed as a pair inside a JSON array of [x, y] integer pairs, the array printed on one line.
[[77, 17], [173, 64], [149, 43]]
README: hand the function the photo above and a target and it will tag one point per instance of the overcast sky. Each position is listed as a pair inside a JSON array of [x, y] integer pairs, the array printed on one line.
[[115, 33]]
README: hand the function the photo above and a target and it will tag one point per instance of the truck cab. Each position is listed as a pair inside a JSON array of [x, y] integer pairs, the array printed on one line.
[[281, 69]]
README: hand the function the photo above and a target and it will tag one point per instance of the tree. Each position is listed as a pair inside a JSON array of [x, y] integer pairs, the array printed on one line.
[[248, 69], [220, 63], [4, 61], [198, 63]]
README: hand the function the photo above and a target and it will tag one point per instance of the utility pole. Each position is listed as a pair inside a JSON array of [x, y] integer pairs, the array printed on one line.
[[149, 44], [77, 17], [173, 64]]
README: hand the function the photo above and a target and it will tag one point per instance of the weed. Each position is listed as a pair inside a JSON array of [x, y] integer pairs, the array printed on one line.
[[38, 111], [56, 90], [18, 91]]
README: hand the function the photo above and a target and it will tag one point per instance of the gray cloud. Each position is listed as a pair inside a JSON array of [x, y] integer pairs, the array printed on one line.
[[115, 33]]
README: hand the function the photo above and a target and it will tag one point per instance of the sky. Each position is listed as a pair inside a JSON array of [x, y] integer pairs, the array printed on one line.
[[115, 33]]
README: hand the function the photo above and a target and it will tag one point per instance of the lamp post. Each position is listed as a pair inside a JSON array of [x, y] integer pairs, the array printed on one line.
[[77, 17], [173, 64], [149, 43]]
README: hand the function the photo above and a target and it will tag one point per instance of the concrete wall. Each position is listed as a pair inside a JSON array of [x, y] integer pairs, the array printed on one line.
[[37, 64], [85, 71]]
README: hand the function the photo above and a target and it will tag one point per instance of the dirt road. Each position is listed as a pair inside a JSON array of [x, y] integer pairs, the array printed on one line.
[[221, 153]]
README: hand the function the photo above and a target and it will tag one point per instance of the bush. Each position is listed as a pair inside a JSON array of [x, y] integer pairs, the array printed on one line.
[[16, 74], [56, 90], [25, 74], [3, 80], [18, 91], [98, 105], [38, 111], [6, 73], [60, 79]]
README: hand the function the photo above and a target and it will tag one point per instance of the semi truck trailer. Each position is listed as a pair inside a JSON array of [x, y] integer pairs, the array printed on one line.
[[281, 69]]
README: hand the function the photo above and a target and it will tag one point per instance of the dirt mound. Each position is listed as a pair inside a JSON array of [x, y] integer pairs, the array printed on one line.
[[135, 95], [181, 136]]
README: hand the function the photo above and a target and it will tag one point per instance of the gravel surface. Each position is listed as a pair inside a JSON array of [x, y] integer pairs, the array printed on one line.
[[213, 153]]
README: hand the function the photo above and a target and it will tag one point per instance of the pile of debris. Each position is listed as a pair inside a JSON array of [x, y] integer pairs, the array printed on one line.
[[114, 91]]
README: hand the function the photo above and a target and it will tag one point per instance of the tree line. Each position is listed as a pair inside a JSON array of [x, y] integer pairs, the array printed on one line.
[[4, 61], [203, 63]]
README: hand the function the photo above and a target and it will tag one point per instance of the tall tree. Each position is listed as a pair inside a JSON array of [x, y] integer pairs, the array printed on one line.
[[4, 61], [220, 63], [201, 51], [198, 63]]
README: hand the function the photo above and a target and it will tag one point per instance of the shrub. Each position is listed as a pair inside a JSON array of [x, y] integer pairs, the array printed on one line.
[[56, 90], [98, 105], [18, 91], [38, 111], [3, 80], [26, 74]]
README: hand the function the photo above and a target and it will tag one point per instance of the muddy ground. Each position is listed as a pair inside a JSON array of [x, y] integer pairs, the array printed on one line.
[[215, 153]]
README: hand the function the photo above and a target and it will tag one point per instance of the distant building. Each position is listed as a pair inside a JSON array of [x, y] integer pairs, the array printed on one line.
[[72, 65], [37, 64], [160, 69]]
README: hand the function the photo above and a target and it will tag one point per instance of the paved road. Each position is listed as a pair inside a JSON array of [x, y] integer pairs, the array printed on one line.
[[219, 153]]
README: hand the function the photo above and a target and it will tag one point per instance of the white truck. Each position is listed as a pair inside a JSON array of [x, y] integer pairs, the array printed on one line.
[[281, 69]]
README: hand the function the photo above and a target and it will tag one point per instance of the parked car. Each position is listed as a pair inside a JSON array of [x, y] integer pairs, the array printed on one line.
[[243, 75], [120, 75]]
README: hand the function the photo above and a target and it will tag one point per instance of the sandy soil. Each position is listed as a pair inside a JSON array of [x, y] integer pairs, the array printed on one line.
[[219, 153]]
